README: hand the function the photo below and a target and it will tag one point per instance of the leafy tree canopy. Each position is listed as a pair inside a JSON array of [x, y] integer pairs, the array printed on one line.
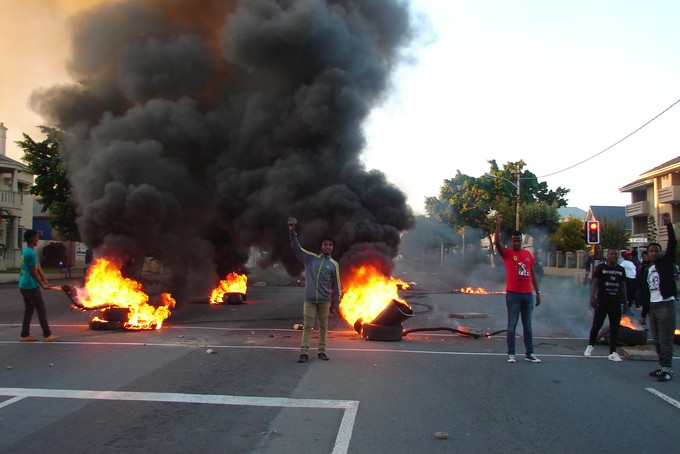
[[569, 236], [51, 184], [468, 201], [613, 234]]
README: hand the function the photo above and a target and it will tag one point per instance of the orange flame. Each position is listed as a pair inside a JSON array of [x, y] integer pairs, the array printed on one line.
[[630, 323], [233, 283], [677, 332], [105, 286], [475, 291], [367, 293]]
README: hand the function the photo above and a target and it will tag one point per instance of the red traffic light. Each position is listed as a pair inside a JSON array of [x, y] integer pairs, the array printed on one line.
[[593, 233]]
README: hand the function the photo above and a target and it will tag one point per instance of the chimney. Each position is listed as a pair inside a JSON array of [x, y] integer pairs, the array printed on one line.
[[3, 138]]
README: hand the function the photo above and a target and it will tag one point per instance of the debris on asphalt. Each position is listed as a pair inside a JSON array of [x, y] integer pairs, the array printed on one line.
[[441, 435]]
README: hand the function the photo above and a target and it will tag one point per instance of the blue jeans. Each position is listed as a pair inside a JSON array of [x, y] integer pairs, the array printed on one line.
[[520, 303]]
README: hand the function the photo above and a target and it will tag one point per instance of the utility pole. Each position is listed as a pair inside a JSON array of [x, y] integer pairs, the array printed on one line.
[[517, 208]]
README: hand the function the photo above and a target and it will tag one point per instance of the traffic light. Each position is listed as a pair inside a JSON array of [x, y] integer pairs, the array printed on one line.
[[593, 232]]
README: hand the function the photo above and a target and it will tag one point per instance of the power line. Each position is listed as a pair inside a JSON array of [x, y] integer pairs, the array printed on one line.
[[613, 145]]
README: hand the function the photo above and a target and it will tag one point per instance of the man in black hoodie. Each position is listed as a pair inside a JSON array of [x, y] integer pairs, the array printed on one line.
[[658, 294]]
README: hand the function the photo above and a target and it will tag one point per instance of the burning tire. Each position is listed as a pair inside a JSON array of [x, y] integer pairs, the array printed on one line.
[[110, 319], [236, 298], [627, 336], [385, 333]]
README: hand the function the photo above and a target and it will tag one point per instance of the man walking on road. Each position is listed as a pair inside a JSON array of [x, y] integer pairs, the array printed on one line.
[[607, 293], [657, 296], [520, 276], [322, 290], [30, 281]]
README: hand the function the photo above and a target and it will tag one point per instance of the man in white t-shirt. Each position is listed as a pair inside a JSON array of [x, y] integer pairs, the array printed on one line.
[[631, 281]]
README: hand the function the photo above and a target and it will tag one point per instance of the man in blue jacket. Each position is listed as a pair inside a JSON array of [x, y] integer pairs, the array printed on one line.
[[322, 291], [657, 295]]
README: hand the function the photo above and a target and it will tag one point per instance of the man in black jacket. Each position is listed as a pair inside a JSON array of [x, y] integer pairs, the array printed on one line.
[[658, 294]]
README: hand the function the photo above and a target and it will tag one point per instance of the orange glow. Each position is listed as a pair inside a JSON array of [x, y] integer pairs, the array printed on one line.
[[367, 293], [475, 291], [105, 287], [233, 283], [677, 332], [630, 323]]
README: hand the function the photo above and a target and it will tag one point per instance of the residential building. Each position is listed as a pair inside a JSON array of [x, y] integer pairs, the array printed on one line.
[[605, 214], [657, 191], [16, 205], [568, 213]]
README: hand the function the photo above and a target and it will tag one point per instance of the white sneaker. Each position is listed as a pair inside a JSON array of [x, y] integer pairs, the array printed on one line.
[[532, 358], [614, 357], [589, 351], [511, 359]]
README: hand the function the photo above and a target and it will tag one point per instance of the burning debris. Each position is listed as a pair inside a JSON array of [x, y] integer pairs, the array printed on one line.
[[192, 132], [234, 286], [630, 332], [476, 291], [120, 300], [371, 303]]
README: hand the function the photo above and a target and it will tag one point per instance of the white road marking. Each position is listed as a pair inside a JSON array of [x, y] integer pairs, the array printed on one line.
[[341, 441], [662, 396], [11, 401]]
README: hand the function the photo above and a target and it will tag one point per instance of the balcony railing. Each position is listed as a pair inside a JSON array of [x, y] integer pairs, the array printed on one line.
[[669, 194], [11, 200], [637, 209]]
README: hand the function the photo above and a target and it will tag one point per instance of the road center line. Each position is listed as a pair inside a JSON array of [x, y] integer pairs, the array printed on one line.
[[662, 396]]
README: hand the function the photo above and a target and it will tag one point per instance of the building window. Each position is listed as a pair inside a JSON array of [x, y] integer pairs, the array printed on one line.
[[666, 181]]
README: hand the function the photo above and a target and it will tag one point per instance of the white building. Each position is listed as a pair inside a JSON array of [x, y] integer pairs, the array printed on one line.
[[16, 205]]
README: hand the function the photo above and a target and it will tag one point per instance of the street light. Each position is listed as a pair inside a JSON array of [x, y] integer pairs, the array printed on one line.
[[516, 185]]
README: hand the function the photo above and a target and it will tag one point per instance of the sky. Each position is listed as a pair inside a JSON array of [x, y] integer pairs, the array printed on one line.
[[549, 82]]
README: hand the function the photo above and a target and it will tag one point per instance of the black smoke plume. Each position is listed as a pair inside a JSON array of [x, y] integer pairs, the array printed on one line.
[[197, 128]]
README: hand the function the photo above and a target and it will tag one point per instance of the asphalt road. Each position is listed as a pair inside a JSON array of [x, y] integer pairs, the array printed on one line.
[[161, 391]]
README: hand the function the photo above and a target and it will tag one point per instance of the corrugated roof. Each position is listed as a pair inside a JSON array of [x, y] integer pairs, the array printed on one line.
[[663, 168], [574, 212], [611, 213]]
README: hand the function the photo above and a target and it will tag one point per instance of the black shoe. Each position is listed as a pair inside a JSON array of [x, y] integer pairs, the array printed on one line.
[[303, 358], [655, 373], [664, 376], [322, 357]]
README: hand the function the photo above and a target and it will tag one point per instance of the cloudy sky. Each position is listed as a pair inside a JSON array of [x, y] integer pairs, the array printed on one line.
[[550, 82]]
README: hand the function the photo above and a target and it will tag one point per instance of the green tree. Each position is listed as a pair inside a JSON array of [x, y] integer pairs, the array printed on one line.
[[569, 236], [466, 201], [613, 234], [51, 184], [651, 229]]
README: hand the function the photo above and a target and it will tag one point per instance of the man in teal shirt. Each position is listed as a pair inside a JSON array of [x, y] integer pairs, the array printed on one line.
[[30, 281]]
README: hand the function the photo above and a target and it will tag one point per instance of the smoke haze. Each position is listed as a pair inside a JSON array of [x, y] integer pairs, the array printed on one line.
[[197, 128]]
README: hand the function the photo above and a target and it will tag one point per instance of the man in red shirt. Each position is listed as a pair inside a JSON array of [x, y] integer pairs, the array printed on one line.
[[520, 276]]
